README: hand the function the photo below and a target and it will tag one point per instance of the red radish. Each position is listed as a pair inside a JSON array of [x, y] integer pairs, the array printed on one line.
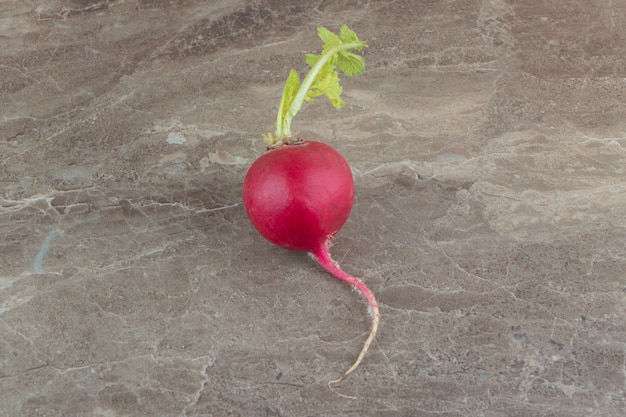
[[298, 196], [300, 193]]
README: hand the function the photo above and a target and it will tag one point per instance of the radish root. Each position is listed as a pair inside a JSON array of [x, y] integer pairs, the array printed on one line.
[[322, 255]]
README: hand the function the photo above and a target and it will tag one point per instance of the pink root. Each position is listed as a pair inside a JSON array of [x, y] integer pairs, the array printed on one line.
[[323, 257]]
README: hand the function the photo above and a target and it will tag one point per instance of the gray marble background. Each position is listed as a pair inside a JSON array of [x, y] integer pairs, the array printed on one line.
[[487, 140]]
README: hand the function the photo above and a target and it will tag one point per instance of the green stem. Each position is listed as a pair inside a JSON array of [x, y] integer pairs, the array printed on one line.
[[283, 127]]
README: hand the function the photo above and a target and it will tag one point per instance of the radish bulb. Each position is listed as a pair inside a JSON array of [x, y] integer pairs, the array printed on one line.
[[300, 193]]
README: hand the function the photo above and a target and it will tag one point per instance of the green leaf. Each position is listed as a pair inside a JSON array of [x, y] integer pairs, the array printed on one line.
[[311, 59], [290, 89], [292, 85], [347, 36], [327, 83], [350, 64], [329, 38]]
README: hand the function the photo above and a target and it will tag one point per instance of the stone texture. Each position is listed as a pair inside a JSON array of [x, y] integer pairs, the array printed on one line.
[[488, 145]]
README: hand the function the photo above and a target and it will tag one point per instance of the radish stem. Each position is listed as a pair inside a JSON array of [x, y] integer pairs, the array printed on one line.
[[322, 254]]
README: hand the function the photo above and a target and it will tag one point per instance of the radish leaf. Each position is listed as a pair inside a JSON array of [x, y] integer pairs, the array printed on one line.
[[322, 79]]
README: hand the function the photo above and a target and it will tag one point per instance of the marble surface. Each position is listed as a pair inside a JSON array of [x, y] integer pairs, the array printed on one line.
[[488, 144]]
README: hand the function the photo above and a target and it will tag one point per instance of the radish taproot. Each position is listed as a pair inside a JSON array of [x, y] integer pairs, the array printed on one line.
[[299, 193]]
